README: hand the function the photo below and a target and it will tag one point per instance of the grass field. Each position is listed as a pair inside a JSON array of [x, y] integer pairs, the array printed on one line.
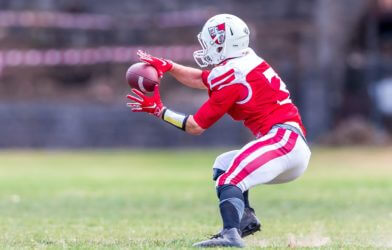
[[166, 200]]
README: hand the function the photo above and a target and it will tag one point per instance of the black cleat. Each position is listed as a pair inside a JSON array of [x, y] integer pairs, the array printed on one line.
[[226, 238], [249, 222]]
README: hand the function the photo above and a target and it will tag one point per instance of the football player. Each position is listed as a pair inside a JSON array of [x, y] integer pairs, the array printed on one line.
[[245, 86]]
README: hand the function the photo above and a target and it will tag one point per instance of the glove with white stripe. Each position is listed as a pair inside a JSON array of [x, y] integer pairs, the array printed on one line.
[[144, 103], [153, 105], [160, 64]]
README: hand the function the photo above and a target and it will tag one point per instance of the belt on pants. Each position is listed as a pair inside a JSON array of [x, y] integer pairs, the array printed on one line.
[[291, 128]]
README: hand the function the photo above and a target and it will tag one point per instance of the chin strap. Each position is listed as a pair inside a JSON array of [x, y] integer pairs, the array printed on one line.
[[178, 120]]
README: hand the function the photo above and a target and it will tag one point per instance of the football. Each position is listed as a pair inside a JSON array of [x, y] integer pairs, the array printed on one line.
[[142, 76]]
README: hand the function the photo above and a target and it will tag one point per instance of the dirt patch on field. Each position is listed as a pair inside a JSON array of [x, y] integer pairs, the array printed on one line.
[[312, 240], [263, 243], [293, 241]]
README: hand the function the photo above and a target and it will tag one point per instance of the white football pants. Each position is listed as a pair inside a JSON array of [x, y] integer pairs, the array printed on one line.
[[278, 157]]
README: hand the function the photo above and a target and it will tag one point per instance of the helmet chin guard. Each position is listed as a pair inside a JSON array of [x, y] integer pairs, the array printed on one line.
[[223, 36], [201, 58]]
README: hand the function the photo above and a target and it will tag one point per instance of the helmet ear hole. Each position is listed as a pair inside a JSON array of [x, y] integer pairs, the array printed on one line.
[[219, 49]]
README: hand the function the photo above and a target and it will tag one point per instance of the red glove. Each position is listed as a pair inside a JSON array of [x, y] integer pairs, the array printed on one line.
[[160, 64], [144, 103]]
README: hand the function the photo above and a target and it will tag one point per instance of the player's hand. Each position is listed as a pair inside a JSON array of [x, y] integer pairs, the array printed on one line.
[[160, 64], [144, 103]]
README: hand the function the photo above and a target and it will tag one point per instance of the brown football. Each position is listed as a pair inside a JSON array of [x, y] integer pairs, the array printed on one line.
[[142, 76]]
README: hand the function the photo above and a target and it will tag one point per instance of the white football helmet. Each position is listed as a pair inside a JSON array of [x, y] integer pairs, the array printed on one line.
[[223, 36]]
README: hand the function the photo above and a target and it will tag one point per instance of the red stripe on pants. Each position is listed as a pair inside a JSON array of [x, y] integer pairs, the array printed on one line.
[[265, 158], [277, 137]]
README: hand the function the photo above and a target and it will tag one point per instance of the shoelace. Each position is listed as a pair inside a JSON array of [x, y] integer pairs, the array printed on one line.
[[216, 236]]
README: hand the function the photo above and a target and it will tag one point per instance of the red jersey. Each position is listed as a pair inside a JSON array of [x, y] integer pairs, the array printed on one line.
[[249, 90]]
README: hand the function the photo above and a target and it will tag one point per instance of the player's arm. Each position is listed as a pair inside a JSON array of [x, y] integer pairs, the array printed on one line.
[[154, 106], [188, 76], [208, 114], [192, 127]]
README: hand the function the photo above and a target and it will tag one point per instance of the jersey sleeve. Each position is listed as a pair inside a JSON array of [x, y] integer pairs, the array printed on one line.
[[204, 77], [217, 105]]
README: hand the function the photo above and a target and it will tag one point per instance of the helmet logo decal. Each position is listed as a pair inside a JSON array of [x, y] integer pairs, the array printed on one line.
[[218, 31]]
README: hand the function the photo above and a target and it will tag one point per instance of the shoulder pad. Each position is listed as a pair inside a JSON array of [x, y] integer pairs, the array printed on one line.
[[224, 75]]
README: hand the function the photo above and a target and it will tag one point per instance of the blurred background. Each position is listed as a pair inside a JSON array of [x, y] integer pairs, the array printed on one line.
[[62, 67]]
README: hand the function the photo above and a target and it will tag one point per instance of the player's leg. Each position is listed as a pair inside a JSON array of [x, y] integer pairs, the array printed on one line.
[[254, 155], [268, 158], [231, 196], [221, 164], [283, 161], [227, 181], [231, 206], [290, 174], [249, 222], [299, 160]]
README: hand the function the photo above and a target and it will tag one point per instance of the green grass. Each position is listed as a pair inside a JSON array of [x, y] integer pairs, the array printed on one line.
[[166, 200]]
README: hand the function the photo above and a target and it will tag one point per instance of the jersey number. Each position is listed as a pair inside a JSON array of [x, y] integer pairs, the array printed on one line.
[[277, 84]]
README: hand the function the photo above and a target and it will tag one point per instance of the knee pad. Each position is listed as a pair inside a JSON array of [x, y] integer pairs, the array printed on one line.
[[216, 172]]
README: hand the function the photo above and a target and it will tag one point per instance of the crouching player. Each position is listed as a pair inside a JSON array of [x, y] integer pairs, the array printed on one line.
[[243, 85]]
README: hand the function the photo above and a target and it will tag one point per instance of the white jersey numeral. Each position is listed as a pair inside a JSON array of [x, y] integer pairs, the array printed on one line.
[[277, 83]]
